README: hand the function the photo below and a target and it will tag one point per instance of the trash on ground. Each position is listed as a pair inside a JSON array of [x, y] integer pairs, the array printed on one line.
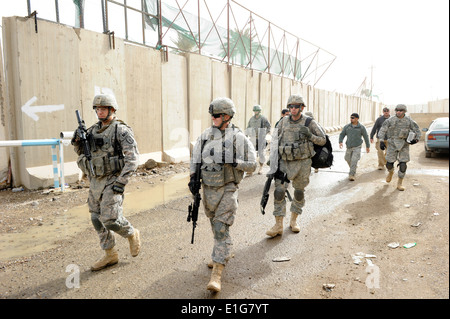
[[393, 245], [409, 245], [328, 287], [407, 205], [416, 224], [281, 259], [359, 257]]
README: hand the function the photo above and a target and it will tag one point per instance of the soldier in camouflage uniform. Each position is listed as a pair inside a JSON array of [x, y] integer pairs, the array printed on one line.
[[114, 158], [396, 130], [257, 129], [225, 153], [292, 147]]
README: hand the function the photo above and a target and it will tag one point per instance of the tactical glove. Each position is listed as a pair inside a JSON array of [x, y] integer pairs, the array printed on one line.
[[118, 188], [305, 131], [414, 141], [194, 185], [382, 145]]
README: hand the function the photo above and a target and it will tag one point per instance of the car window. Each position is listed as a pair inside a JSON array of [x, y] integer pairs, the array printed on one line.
[[440, 125]]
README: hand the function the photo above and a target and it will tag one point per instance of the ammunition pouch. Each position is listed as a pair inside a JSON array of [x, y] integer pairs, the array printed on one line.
[[219, 177], [83, 165], [214, 178], [296, 151], [103, 166]]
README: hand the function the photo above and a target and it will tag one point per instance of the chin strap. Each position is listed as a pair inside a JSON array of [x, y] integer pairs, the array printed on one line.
[[107, 116], [223, 121]]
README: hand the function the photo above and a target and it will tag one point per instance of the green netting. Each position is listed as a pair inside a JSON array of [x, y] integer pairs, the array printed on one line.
[[182, 32]]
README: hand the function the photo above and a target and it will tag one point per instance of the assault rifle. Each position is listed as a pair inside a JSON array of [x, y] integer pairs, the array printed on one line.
[[193, 207], [265, 196], [81, 132]]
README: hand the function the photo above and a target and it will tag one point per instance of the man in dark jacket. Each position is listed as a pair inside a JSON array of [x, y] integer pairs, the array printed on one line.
[[375, 129]]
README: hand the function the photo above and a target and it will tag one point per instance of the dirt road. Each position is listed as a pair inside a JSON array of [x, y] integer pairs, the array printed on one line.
[[342, 221]]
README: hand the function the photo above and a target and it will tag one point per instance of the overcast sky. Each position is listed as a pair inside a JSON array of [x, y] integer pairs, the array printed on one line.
[[405, 41]]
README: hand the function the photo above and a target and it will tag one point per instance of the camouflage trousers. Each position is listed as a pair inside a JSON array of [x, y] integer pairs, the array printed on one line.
[[381, 154], [352, 156], [298, 173], [107, 217], [398, 150], [220, 205]]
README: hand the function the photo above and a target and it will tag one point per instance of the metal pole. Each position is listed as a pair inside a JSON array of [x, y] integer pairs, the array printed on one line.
[[55, 167], [199, 42], [268, 52], [57, 10], [125, 18], [251, 40], [228, 31], [105, 28], [61, 166]]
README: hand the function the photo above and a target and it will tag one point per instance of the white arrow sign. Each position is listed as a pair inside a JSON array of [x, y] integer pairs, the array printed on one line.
[[31, 111]]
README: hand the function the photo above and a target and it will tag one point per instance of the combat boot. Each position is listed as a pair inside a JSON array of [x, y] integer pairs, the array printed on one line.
[[294, 227], [210, 263], [111, 258], [216, 276], [389, 176], [277, 229], [135, 243], [399, 184]]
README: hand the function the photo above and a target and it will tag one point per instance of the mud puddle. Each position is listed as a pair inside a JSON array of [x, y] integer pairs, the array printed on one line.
[[77, 219]]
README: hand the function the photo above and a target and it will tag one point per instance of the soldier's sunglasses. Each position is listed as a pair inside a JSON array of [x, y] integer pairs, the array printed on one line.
[[216, 116], [296, 106]]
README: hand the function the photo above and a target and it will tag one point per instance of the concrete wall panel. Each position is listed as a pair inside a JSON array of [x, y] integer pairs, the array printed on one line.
[[4, 152], [199, 94], [175, 132], [265, 96], [238, 95], [277, 103], [252, 94], [220, 80], [102, 70], [143, 99]]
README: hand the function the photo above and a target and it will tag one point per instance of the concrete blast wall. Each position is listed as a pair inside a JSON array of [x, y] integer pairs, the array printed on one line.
[[59, 69]]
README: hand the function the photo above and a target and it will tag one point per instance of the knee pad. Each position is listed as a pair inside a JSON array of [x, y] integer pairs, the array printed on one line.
[[299, 195], [279, 193], [111, 224], [98, 225], [389, 166], [402, 167]]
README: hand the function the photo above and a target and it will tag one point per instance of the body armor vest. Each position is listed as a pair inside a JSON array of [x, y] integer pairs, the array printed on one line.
[[218, 154], [106, 152], [293, 145]]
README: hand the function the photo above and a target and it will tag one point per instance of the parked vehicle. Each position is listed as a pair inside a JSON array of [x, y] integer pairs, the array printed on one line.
[[436, 137]]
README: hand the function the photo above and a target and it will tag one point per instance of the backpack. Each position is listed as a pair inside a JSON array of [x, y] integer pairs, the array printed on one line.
[[324, 154]]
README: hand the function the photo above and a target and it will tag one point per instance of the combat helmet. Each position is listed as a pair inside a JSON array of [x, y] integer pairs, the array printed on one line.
[[257, 108], [295, 98], [105, 100], [401, 107], [222, 105]]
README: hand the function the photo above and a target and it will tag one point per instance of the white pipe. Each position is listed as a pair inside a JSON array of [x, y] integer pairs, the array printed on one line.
[[52, 141], [66, 134], [39, 142]]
